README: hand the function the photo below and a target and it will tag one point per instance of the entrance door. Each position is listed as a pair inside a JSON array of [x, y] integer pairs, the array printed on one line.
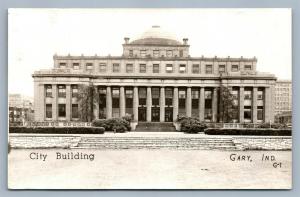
[[142, 113], [155, 114], [169, 114]]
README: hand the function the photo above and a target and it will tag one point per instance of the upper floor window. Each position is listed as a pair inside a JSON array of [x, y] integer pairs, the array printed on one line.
[[129, 68], [62, 65], [102, 68], [195, 94], [142, 68], [234, 68], [115, 92], [130, 53], [143, 53], [116, 68], [155, 53], [247, 94], [74, 89], [48, 90], [247, 67], [169, 53], [196, 68], [208, 69], [260, 94], [76, 66], [208, 94], [89, 66], [181, 53], [181, 94], [62, 91], [221, 69], [169, 68], [155, 68], [182, 68]]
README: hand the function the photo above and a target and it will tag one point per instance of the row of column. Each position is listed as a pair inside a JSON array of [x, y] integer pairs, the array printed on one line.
[[161, 103]]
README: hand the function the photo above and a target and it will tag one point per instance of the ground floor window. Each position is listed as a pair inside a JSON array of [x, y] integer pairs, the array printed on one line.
[[48, 110], [74, 110], [247, 113], [61, 110], [260, 113]]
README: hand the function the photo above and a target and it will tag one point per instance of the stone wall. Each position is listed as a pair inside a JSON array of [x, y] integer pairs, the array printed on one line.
[[263, 142], [43, 141]]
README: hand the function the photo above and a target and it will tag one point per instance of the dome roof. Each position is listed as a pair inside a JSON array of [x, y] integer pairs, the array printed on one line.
[[156, 36]]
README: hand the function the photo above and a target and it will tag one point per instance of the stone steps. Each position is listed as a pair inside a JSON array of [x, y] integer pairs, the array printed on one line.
[[178, 143], [155, 127]]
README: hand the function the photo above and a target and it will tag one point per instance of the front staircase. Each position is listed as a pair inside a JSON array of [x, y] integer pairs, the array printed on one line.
[[155, 127], [160, 142]]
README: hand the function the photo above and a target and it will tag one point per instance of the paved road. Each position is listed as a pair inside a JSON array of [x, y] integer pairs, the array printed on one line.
[[148, 169]]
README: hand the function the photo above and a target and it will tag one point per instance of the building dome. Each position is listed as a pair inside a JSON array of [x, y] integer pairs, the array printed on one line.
[[156, 36]]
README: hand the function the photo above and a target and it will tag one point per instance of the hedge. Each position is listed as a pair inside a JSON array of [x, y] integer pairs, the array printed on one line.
[[58, 130], [119, 125], [249, 131], [191, 125]]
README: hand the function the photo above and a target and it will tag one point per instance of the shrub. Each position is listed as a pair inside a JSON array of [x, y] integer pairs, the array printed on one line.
[[58, 130], [249, 131], [191, 125], [127, 117], [119, 125]]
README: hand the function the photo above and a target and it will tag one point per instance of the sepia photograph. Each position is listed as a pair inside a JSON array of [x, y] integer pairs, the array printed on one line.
[[150, 98]]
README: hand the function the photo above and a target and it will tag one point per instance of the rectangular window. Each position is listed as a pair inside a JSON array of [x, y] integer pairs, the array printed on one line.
[[155, 96], [181, 53], [195, 94], [62, 91], [129, 68], [62, 65], [182, 68], [102, 68], [169, 68], [142, 68], [208, 94], [247, 67], [196, 68], [169, 96], [76, 66], [142, 96], [115, 92], [48, 90], [116, 68], [74, 89], [143, 53], [48, 110], [221, 69], [155, 53], [234, 68], [260, 113], [129, 93], [130, 53], [260, 94], [89, 66], [75, 111], [169, 53], [248, 95], [247, 112], [181, 94], [155, 68], [61, 110], [208, 69]]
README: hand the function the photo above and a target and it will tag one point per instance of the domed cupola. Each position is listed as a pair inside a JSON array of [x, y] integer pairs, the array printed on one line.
[[156, 36]]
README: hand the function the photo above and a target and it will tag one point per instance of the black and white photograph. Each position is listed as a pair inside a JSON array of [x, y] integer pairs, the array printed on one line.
[[150, 98]]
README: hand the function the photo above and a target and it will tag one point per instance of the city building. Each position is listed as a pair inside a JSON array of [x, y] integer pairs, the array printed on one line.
[[283, 101], [154, 80]]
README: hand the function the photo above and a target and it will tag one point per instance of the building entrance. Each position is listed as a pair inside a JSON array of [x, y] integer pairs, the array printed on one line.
[[155, 114], [169, 114], [142, 113]]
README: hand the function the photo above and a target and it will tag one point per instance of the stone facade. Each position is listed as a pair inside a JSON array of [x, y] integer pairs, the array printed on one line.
[[154, 80]]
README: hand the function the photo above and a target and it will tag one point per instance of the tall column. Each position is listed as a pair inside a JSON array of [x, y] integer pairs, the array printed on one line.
[[149, 104], [201, 104], [39, 102], [108, 102], [175, 103], [96, 103], [68, 102], [267, 104], [162, 104], [215, 105], [54, 102], [135, 104], [241, 104], [188, 102], [122, 101], [254, 105]]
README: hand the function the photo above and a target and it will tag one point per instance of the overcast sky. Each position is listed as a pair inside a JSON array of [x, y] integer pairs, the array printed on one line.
[[35, 35]]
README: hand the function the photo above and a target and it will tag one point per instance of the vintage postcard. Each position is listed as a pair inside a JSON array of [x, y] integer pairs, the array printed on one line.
[[150, 99]]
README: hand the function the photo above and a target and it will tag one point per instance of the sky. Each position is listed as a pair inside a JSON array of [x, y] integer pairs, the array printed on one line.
[[35, 35]]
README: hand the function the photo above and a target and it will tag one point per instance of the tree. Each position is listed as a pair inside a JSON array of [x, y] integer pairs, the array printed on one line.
[[227, 106], [85, 100]]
